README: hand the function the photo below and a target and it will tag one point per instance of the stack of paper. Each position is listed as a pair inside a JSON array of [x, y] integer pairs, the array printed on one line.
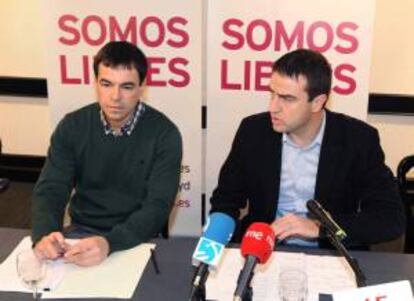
[[116, 277], [326, 274]]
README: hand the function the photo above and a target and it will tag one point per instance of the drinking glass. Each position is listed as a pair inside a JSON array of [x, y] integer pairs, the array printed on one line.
[[31, 270], [293, 285]]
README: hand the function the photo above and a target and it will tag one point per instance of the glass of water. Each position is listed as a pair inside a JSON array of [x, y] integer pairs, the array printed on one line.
[[293, 285], [31, 270]]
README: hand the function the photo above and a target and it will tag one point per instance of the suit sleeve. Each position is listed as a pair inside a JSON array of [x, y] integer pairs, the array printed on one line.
[[230, 195], [380, 215]]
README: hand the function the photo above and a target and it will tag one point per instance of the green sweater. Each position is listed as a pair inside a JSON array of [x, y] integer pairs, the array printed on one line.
[[123, 186]]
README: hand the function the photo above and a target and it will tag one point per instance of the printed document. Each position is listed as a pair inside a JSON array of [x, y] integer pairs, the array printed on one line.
[[325, 274]]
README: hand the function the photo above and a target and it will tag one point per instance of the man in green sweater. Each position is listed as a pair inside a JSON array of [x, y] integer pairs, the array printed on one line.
[[117, 160]]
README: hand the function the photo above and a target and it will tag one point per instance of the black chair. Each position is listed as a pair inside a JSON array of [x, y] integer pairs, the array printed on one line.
[[4, 183], [406, 189]]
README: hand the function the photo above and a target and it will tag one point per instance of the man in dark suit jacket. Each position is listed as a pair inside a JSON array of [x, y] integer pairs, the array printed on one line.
[[341, 164]]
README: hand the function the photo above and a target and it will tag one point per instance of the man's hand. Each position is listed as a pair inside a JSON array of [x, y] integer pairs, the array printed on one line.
[[297, 226], [88, 251], [51, 246]]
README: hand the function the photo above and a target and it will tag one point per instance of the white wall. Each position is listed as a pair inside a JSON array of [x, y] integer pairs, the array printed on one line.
[[21, 38], [392, 57], [397, 136], [392, 72], [24, 122], [25, 126]]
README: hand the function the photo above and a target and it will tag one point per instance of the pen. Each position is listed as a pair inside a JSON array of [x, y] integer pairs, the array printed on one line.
[[154, 261]]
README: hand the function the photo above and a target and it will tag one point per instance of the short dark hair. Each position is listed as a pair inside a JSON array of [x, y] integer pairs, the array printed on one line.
[[121, 53], [310, 64]]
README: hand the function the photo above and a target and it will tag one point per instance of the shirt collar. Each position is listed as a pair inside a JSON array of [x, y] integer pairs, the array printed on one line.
[[316, 141], [128, 127]]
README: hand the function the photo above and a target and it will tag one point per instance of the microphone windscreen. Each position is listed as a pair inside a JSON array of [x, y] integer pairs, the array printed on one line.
[[219, 227], [217, 233], [258, 241]]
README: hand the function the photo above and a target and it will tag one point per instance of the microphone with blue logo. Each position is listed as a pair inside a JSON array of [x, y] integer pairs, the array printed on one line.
[[210, 247]]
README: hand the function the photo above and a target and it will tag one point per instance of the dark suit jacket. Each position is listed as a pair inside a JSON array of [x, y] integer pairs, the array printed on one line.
[[353, 183]]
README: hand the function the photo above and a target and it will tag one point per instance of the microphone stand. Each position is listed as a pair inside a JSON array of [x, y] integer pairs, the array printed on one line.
[[198, 294], [198, 289], [360, 277], [245, 280], [248, 294]]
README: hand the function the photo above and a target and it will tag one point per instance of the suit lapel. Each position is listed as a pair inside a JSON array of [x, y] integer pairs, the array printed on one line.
[[273, 157], [328, 159]]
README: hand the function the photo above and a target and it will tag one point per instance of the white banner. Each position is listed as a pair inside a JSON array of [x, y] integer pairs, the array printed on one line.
[[169, 33], [245, 38]]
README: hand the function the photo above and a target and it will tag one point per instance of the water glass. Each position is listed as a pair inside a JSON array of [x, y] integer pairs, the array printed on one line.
[[31, 270], [293, 285]]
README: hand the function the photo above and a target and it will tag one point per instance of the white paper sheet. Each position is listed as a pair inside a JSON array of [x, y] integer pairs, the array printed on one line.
[[326, 274], [116, 277], [391, 291]]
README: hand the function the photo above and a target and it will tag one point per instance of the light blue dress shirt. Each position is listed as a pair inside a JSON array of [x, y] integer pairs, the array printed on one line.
[[298, 179]]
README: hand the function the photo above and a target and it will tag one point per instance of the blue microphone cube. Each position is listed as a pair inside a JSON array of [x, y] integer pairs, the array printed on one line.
[[217, 233], [208, 251]]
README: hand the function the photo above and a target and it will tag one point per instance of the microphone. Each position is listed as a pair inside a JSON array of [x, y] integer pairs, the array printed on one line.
[[335, 235], [325, 219], [217, 233], [256, 246]]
